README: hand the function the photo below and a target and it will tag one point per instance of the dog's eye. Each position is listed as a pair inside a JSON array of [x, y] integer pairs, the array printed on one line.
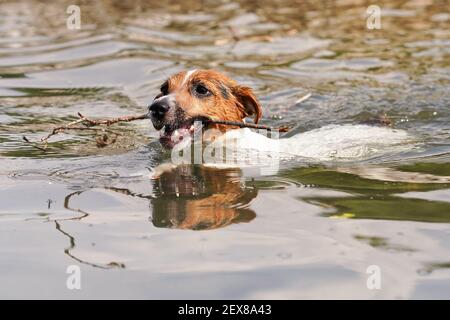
[[165, 89], [201, 90]]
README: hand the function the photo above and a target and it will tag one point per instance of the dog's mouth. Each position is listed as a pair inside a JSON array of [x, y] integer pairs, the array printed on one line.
[[173, 133]]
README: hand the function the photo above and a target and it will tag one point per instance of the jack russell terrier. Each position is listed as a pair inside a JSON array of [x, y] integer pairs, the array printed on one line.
[[205, 95]]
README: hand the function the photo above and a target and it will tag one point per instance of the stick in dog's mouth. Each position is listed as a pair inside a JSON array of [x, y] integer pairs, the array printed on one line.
[[172, 133], [176, 109]]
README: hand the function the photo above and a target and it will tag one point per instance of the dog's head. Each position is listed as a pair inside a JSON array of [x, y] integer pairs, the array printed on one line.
[[197, 95]]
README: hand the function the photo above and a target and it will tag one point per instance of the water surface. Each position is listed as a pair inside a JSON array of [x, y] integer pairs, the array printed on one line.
[[309, 231]]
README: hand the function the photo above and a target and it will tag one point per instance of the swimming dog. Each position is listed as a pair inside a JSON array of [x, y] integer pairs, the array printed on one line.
[[199, 96]]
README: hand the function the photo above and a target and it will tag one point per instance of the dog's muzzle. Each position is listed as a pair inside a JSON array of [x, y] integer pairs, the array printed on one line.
[[156, 112]]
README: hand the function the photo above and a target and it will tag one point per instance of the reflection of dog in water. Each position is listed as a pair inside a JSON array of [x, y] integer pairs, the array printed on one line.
[[184, 197], [198, 197]]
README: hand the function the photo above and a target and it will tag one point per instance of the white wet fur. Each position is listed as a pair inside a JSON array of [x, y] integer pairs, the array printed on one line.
[[329, 143], [188, 75]]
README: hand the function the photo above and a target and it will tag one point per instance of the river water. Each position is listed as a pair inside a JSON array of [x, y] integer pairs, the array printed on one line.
[[309, 230]]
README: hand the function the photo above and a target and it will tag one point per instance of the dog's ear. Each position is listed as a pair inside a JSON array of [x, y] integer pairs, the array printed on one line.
[[249, 102]]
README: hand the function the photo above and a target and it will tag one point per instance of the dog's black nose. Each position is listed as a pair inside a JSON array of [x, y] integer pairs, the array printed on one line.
[[157, 110]]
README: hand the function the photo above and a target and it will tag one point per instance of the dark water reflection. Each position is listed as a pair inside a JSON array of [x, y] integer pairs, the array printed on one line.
[[201, 198], [307, 231]]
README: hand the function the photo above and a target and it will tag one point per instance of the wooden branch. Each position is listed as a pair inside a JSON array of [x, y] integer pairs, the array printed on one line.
[[87, 125], [248, 125]]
